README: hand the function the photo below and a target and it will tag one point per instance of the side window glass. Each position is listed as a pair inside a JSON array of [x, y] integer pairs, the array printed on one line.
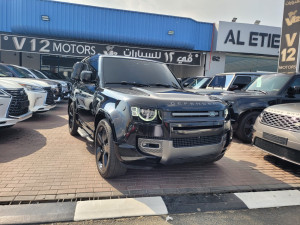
[[296, 84], [241, 81]]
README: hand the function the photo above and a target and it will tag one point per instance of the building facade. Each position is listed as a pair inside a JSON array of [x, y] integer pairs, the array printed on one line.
[[243, 47], [49, 35]]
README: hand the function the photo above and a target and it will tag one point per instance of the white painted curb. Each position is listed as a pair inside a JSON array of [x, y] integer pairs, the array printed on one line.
[[267, 199], [116, 208]]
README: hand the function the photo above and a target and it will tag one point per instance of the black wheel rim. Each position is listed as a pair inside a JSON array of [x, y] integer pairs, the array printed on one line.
[[71, 116], [249, 126], [102, 154]]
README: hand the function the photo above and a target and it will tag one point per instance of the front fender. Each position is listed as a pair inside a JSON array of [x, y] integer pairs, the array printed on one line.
[[119, 115]]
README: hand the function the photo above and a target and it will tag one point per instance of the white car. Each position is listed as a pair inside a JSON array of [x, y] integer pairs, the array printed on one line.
[[14, 105], [36, 94], [66, 87], [22, 72]]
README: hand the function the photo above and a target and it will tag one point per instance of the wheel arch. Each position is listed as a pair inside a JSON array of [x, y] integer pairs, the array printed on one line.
[[101, 114]]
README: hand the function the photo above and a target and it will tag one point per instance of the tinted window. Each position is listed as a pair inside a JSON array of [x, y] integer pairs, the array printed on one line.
[[296, 82], [221, 81], [199, 83], [241, 81], [139, 71], [39, 75]]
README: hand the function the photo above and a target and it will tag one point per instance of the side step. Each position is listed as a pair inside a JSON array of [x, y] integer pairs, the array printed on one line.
[[84, 134]]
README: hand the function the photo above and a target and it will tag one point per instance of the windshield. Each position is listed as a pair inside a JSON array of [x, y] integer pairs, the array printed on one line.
[[20, 72], [221, 81], [39, 75], [199, 83], [269, 83], [118, 70], [4, 72]]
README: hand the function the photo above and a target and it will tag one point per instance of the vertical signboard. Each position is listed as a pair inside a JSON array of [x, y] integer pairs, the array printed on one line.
[[289, 47]]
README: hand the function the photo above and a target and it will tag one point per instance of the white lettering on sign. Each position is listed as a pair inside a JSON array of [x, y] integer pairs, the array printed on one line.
[[18, 45]]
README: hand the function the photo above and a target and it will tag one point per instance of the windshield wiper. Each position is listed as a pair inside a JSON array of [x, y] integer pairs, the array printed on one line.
[[264, 92], [165, 85], [129, 83]]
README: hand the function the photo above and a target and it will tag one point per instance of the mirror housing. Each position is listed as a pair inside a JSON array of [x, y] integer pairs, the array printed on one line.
[[292, 91], [77, 69], [86, 76], [233, 87], [185, 84]]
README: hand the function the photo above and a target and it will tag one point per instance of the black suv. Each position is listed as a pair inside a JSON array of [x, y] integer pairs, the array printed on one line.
[[138, 115], [267, 90]]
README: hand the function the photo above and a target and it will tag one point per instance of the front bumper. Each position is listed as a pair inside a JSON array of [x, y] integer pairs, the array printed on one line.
[[9, 121], [160, 144], [43, 108], [278, 142]]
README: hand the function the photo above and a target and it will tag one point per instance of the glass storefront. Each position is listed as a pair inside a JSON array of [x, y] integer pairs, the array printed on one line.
[[247, 63], [60, 65]]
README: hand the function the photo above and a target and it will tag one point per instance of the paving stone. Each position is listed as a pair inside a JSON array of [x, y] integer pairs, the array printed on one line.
[[40, 160]]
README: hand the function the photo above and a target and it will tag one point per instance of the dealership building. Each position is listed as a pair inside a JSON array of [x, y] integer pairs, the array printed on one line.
[[52, 36]]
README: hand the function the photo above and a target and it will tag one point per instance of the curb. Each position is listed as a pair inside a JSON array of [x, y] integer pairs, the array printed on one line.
[[145, 206]]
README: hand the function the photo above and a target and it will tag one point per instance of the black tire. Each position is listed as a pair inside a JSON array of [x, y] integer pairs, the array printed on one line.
[[244, 130], [107, 162], [73, 126]]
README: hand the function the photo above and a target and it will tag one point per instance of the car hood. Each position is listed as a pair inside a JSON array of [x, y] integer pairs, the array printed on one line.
[[35, 82], [168, 98], [6, 84], [291, 109]]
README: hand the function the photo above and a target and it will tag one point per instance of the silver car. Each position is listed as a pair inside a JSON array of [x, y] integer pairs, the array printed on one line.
[[277, 131]]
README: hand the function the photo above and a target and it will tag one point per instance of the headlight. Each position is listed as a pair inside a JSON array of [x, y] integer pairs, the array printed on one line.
[[226, 113], [144, 114], [30, 87]]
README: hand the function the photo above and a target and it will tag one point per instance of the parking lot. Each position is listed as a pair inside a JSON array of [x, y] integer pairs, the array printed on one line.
[[40, 161]]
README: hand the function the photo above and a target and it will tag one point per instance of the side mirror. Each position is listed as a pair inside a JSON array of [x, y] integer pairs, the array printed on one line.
[[233, 87], [292, 91], [185, 84], [77, 69], [86, 76]]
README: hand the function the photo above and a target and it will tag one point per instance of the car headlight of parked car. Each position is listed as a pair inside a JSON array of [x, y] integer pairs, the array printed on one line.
[[34, 88], [145, 114]]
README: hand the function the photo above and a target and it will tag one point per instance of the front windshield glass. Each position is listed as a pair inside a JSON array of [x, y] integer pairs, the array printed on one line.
[[198, 83], [221, 81], [4, 72], [39, 75], [269, 83], [20, 72], [118, 70]]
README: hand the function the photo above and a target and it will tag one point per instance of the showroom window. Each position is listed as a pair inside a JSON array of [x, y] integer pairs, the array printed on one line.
[[246, 63]]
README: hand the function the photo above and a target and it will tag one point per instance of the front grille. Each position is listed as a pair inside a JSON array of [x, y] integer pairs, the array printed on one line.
[[19, 104], [281, 121], [278, 150], [196, 114], [50, 96], [196, 141]]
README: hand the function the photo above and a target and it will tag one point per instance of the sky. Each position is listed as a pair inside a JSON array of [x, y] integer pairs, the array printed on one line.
[[269, 12]]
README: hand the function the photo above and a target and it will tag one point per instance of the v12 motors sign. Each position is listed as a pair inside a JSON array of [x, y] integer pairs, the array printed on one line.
[[289, 47], [18, 43]]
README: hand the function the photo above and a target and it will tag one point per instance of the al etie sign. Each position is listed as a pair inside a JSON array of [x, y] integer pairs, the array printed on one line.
[[247, 38], [289, 47], [11, 42]]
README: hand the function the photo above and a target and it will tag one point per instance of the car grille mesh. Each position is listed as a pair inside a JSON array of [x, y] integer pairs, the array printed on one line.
[[196, 141], [281, 121], [19, 104], [50, 96]]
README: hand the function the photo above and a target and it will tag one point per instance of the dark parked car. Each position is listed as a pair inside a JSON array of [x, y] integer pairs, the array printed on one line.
[[138, 115], [267, 90], [225, 82]]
